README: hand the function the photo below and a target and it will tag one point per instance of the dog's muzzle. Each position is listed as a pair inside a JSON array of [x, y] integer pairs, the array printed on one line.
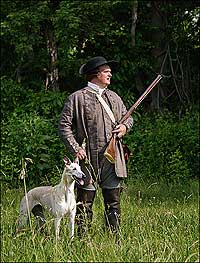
[[79, 180]]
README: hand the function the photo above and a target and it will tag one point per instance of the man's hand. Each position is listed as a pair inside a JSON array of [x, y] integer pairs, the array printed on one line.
[[120, 129], [81, 154]]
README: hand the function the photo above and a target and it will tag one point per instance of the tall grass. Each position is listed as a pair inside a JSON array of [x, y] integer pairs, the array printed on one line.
[[159, 223]]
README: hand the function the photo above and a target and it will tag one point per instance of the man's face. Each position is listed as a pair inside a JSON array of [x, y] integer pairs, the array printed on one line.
[[104, 75]]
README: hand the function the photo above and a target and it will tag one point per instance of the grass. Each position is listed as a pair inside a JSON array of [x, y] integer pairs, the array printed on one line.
[[159, 224]]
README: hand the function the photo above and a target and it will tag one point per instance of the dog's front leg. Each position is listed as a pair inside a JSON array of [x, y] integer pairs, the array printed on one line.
[[57, 227], [71, 223]]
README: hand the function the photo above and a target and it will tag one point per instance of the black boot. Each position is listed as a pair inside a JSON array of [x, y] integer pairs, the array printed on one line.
[[85, 199], [112, 208]]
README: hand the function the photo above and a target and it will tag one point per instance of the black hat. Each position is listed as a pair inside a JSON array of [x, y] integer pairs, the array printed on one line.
[[94, 63]]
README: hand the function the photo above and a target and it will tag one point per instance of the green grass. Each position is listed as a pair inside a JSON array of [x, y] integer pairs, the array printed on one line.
[[160, 223]]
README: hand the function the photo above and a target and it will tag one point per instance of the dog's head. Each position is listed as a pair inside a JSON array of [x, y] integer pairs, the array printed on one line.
[[73, 170]]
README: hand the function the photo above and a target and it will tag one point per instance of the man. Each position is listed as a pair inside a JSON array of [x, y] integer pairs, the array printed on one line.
[[86, 128]]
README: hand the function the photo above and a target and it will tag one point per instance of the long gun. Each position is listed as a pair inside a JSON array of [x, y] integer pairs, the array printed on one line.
[[111, 148]]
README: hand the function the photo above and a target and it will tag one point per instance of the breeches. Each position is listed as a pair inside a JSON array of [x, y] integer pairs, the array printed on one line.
[[106, 178]]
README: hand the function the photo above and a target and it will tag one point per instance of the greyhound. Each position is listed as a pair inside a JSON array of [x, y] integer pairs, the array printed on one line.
[[59, 200]]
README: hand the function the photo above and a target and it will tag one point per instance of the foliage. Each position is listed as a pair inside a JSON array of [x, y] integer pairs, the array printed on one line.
[[30, 130], [13, 96], [87, 28], [24, 53], [32, 136], [165, 147]]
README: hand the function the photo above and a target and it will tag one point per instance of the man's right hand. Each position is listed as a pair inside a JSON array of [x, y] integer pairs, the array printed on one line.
[[81, 154]]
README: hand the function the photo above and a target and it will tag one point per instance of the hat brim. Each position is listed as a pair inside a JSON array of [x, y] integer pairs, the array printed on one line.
[[111, 63], [81, 70]]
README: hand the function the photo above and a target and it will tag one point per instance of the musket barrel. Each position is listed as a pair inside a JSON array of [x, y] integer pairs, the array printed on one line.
[[137, 103]]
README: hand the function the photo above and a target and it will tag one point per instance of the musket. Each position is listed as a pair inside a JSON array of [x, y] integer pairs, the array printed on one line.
[[111, 148]]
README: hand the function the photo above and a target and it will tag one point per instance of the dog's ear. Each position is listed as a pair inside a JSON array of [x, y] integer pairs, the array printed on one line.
[[76, 160], [67, 160]]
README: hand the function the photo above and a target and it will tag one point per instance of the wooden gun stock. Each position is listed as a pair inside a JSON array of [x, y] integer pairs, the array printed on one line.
[[110, 152]]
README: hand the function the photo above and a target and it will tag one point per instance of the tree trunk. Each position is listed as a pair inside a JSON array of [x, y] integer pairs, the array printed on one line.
[[158, 20], [134, 20], [157, 36], [52, 72], [139, 78]]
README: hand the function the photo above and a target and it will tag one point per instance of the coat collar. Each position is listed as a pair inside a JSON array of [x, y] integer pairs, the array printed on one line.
[[95, 88]]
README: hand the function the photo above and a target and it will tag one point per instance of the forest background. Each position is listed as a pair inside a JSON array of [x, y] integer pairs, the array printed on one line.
[[43, 44]]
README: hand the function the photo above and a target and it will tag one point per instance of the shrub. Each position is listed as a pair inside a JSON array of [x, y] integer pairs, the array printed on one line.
[[13, 95], [30, 129], [164, 147], [32, 136], [177, 169]]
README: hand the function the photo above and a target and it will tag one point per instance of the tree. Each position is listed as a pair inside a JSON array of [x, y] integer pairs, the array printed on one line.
[[167, 36], [45, 42], [28, 36], [52, 78]]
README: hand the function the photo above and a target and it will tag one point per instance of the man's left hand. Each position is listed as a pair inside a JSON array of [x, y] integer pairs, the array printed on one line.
[[120, 129]]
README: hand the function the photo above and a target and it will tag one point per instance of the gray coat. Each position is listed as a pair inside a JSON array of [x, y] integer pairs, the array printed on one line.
[[83, 117]]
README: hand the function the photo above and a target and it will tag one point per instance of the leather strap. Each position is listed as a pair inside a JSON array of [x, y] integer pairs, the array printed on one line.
[[105, 105]]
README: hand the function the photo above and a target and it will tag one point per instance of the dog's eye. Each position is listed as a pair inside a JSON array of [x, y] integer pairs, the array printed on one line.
[[74, 169]]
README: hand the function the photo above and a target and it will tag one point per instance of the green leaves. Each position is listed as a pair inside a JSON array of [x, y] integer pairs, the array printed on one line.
[[30, 129], [164, 147], [81, 29]]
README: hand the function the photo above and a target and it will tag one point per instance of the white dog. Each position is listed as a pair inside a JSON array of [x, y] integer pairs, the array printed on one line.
[[59, 200]]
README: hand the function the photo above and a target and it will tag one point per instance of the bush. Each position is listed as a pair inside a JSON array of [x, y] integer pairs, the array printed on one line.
[[164, 147], [30, 130], [32, 136], [13, 95]]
